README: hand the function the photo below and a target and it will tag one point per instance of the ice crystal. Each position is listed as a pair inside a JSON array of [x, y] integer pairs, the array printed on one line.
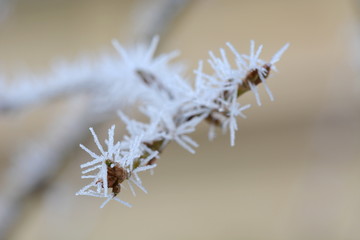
[[117, 155], [173, 108]]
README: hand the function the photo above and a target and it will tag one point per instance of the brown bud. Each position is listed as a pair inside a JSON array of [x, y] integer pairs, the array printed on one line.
[[116, 189], [253, 77], [115, 176]]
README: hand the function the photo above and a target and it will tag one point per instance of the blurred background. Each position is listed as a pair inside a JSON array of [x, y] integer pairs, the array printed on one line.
[[293, 174]]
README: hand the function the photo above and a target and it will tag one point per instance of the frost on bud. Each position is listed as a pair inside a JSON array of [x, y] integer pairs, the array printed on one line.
[[115, 176], [121, 162]]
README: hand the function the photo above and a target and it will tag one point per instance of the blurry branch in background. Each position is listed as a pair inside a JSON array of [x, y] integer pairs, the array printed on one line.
[[63, 81], [38, 161], [150, 18], [41, 158], [6, 7], [85, 75]]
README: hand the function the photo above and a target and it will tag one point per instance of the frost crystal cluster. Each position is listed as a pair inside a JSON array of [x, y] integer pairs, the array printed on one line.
[[174, 109]]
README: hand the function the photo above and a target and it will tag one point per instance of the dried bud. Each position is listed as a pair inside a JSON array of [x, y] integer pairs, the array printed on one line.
[[253, 77], [115, 176]]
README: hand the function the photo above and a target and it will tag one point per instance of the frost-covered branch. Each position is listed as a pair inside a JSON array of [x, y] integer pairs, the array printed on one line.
[[83, 76], [174, 109], [101, 80]]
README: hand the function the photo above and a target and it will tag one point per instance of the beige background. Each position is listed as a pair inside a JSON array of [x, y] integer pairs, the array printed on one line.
[[295, 170]]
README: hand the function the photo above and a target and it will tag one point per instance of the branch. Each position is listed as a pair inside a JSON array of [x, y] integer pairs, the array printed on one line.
[[174, 110]]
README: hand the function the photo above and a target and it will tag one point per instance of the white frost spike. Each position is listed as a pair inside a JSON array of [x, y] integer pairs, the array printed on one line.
[[184, 142], [263, 80], [153, 45], [154, 154], [138, 185], [103, 174], [123, 202], [141, 169], [254, 57], [111, 197], [199, 80], [240, 62], [93, 155], [121, 50], [235, 111], [106, 201], [224, 58], [252, 54], [110, 141], [91, 169], [212, 133], [88, 176], [96, 140], [132, 189], [278, 55], [254, 89], [257, 54], [179, 133]]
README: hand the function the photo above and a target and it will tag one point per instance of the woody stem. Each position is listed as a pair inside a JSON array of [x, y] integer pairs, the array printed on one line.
[[253, 77]]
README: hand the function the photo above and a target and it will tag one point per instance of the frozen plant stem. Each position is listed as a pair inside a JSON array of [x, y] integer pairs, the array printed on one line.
[[84, 77], [174, 109]]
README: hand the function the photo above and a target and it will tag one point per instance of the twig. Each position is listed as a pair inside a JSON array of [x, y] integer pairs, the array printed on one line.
[[95, 80]]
